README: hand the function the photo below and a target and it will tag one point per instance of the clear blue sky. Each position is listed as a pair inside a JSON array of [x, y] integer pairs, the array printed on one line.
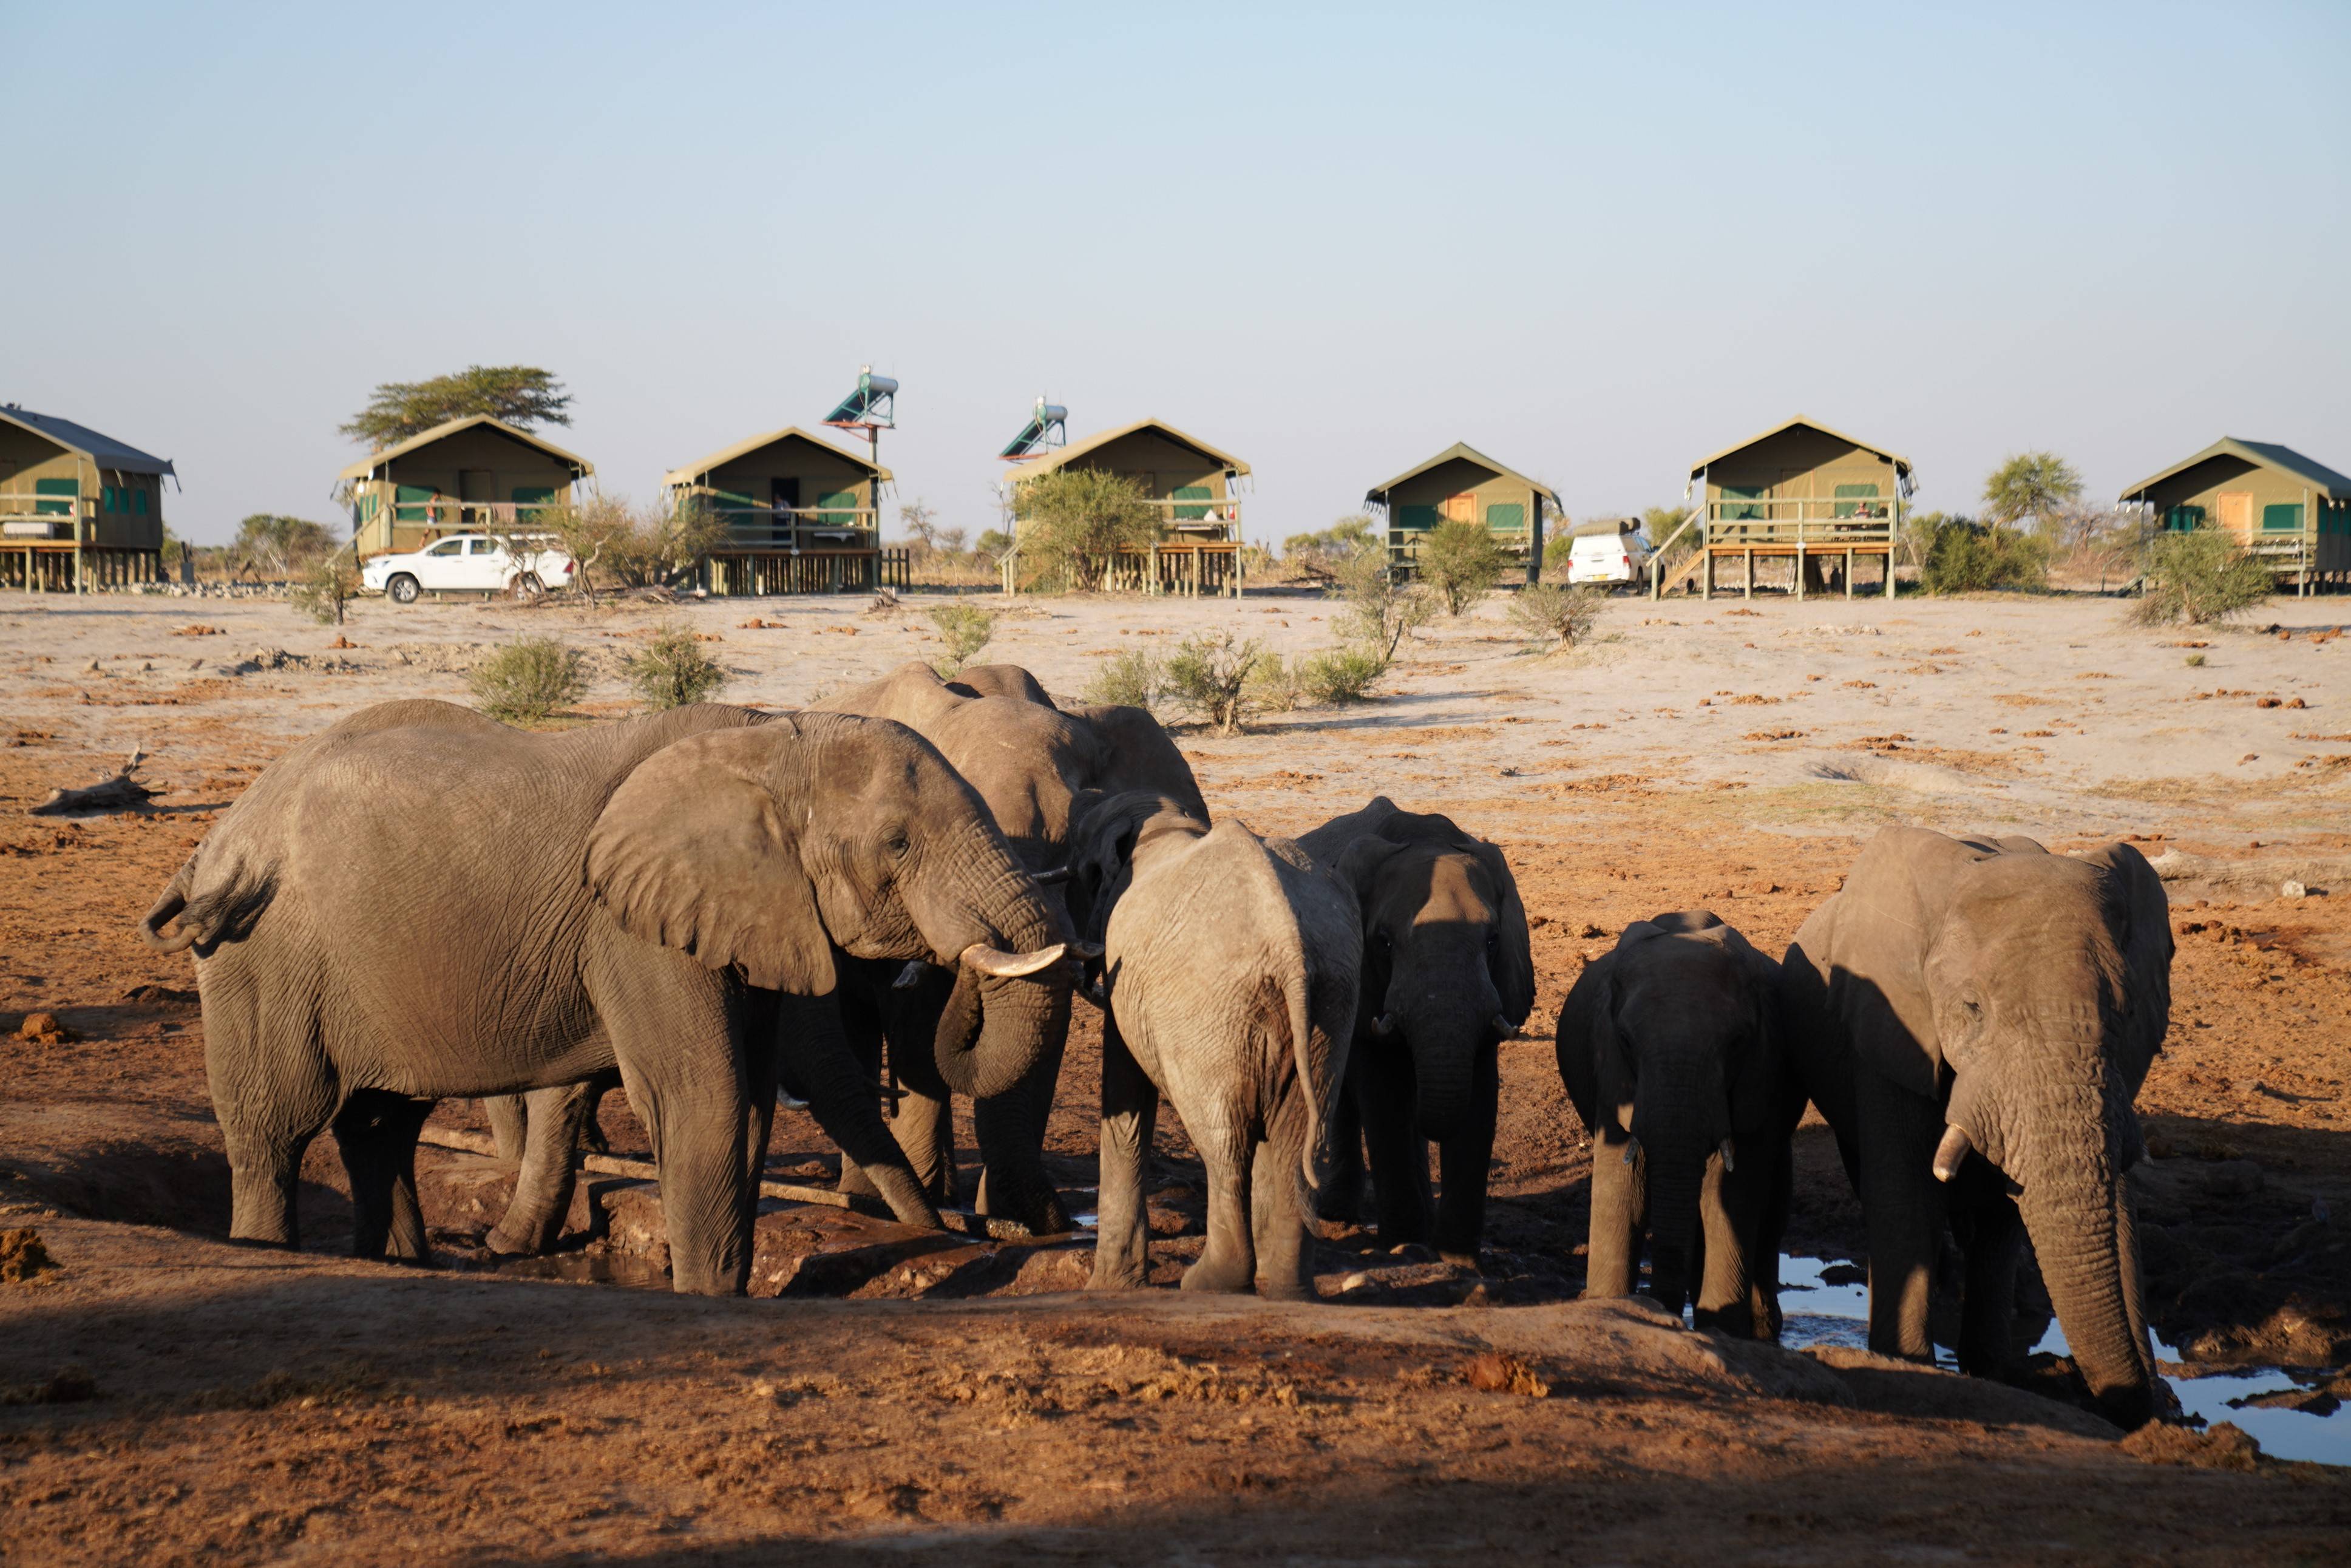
[[1595, 243]]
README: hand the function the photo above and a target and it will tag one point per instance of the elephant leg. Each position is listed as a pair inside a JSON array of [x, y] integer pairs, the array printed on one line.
[[1130, 1109], [533, 1221], [1283, 1239], [1900, 1206], [677, 1035], [1228, 1261], [1461, 1163], [925, 1128], [1730, 1216], [1399, 1155], [509, 1124], [1340, 1199], [840, 1096], [861, 1031], [273, 1091], [1992, 1237], [1611, 1260], [1011, 1131], [375, 1132]]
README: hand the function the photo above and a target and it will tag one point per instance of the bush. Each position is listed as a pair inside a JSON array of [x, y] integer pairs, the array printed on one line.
[[1559, 553], [529, 679], [1381, 612], [1964, 556], [1320, 554], [674, 670], [1460, 562], [1547, 612], [1342, 675], [1210, 676], [1130, 679], [325, 587], [2201, 576], [1073, 520], [626, 546], [964, 630], [1278, 685]]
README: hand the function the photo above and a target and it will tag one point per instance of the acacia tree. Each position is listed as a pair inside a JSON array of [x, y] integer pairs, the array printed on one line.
[[1078, 518], [270, 545], [2030, 487], [521, 395]]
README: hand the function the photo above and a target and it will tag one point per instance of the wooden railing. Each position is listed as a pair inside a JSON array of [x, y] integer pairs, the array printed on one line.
[[1799, 520], [1189, 568]]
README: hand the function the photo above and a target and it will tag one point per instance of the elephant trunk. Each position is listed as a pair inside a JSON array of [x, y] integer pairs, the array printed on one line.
[[2078, 1215], [1681, 1115], [1674, 1181], [1445, 1053]]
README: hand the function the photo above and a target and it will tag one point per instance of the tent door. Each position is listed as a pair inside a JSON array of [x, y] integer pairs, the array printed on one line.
[[2237, 513], [784, 496]]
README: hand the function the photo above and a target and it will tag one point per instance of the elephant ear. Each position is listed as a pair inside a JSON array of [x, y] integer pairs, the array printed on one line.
[[699, 850], [1763, 1078], [1586, 1029], [1360, 865], [2141, 912], [1514, 970]]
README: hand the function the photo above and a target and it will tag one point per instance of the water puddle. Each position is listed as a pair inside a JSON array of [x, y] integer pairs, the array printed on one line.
[[1818, 1311]]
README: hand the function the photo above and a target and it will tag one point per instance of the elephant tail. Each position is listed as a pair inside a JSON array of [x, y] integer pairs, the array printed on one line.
[[205, 900], [1297, 987]]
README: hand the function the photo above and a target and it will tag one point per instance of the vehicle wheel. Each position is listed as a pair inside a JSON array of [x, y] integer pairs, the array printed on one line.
[[400, 589], [526, 586]]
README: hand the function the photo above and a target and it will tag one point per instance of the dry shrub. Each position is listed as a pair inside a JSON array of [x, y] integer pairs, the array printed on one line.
[[2201, 576], [1132, 678], [1210, 676], [964, 630], [674, 671], [529, 680], [1549, 613]]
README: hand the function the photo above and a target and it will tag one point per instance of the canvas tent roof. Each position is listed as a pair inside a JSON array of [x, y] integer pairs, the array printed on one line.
[[1463, 450], [424, 438], [744, 448], [2268, 454], [1062, 456], [1901, 464], [104, 451]]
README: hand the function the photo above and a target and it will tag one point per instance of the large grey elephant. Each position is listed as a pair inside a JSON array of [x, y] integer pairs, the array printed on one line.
[[1029, 761], [1446, 975], [1229, 980], [1974, 1017], [412, 905], [1669, 1046]]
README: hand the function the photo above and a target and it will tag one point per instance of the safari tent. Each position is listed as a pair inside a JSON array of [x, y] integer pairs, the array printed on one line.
[[1462, 483], [1801, 493], [801, 514], [77, 509], [1190, 483], [473, 473], [2292, 512]]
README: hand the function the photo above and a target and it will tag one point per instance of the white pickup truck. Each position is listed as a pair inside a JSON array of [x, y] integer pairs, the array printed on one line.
[[466, 563]]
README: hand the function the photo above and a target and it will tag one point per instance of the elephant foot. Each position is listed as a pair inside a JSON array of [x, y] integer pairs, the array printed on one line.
[[510, 1246], [1107, 1279], [1288, 1290], [1219, 1277], [1460, 1258]]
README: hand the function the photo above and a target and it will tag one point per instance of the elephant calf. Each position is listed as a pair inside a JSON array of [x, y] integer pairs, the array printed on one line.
[[1670, 1049], [1229, 970]]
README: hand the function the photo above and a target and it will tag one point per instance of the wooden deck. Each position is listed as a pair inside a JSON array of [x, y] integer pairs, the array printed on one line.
[[743, 572], [1818, 536]]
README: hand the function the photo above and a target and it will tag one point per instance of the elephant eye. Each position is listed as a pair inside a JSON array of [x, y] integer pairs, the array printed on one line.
[[1381, 943], [895, 845], [1493, 943]]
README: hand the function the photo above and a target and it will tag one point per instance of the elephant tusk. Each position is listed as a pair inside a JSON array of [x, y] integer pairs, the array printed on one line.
[[1951, 1152], [1729, 1155], [1003, 966], [1089, 951], [1382, 1028], [1504, 1027], [1058, 874], [909, 976], [1631, 1150]]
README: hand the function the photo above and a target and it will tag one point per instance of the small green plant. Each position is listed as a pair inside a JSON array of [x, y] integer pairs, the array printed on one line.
[[674, 670], [1209, 674], [1381, 612], [1549, 613], [1559, 553], [325, 588], [1963, 556], [529, 679], [1342, 675], [1460, 562], [1132, 678], [1278, 684], [2201, 576], [964, 630], [2195, 660]]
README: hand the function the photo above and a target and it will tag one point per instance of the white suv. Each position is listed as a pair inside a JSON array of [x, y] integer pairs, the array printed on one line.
[[466, 563]]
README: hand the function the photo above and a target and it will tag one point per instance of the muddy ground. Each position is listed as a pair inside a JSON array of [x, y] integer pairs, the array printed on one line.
[[948, 1395]]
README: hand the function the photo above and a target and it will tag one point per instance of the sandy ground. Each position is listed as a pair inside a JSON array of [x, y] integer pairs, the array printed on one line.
[[258, 1407]]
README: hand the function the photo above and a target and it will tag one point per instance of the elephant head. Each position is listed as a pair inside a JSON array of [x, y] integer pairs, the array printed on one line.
[[768, 846], [1669, 1047], [1446, 969]]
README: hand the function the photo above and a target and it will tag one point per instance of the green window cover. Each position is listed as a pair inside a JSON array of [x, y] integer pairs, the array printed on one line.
[[66, 491], [532, 495], [1851, 509], [1415, 519], [138, 502], [2282, 519], [1734, 494], [408, 503], [2183, 519], [1507, 517], [1193, 493], [839, 508]]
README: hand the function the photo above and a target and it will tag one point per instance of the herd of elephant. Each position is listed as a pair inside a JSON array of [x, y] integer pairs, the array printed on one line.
[[915, 879]]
